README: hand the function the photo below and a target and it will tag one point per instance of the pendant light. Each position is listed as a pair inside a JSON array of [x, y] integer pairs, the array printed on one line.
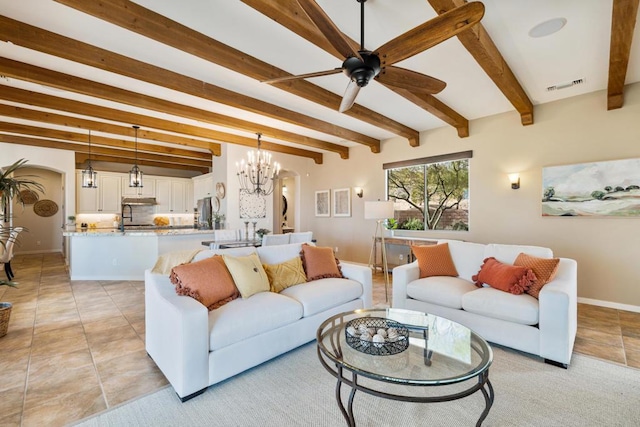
[[89, 176], [135, 174], [256, 176]]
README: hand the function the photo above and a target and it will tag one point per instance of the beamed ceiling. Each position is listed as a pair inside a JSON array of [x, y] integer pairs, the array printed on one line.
[[191, 73]]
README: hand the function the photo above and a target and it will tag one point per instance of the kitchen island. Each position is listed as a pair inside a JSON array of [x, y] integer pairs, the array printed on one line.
[[111, 254]]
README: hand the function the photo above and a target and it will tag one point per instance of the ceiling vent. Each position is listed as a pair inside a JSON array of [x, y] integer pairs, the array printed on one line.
[[565, 85]]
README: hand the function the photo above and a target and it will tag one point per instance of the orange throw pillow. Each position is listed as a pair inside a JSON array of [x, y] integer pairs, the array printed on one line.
[[508, 278], [319, 263], [208, 281], [545, 270], [435, 260]]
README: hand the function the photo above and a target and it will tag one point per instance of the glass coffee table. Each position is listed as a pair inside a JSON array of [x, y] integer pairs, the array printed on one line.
[[411, 349]]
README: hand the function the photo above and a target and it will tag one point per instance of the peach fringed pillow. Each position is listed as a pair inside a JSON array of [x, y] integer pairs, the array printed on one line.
[[508, 278], [319, 262], [286, 274], [208, 281], [435, 260], [545, 270]]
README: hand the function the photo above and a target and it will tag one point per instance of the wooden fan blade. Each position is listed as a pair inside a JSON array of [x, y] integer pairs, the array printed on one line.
[[431, 33], [304, 76], [349, 97], [410, 80], [326, 26]]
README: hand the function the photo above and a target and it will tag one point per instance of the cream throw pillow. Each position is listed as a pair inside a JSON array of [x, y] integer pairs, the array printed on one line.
[[248, 274], [284, 275]]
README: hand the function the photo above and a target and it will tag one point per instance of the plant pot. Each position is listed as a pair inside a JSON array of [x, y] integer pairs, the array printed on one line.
[[5, 313]]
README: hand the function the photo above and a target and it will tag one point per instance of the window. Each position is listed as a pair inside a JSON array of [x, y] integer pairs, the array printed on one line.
[[431, 193]]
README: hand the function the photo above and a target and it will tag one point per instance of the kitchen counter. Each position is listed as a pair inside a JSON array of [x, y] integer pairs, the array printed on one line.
[[136, 232], [110, 254]]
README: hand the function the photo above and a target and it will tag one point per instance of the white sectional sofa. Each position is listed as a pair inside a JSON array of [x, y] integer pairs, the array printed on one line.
[[195, 348], [545, 327]]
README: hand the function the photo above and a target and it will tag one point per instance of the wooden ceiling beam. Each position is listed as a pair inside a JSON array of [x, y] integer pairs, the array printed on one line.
[[76, 107], [623, 23], [122, 155], [76, 122], [145, 22], [479, 44], [290, 15], [34, 74], [437, 108], [101, 140], [53, 44], [81, 158]]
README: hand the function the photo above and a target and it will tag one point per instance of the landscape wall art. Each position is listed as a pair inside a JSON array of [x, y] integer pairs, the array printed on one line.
[[610, 188]]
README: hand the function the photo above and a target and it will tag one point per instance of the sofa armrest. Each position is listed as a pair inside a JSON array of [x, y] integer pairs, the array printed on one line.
[[402, 276], [361, 274], [176, 335], [558, 305]]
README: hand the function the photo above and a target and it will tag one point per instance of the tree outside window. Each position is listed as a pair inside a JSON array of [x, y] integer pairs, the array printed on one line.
[[431, 196]]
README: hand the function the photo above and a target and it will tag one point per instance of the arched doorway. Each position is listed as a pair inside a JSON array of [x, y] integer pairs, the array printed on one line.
[[286, 202]]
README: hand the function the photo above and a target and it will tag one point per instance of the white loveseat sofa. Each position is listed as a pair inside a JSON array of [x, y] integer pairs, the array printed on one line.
[[195, 348], [545, 326]]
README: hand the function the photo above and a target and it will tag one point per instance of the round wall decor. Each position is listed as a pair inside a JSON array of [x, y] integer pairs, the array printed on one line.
[[45, 208], [220, 190], [28, 197]]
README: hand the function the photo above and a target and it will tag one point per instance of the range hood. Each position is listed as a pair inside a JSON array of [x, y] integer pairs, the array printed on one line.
[[139, 201]]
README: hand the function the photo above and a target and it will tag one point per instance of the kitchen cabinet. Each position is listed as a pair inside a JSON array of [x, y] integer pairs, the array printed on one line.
[[174, 195], [148, 189], [104, 199], [203, 186]]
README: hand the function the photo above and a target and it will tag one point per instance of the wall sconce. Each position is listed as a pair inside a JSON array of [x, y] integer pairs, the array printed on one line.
[[359, 191], [514, 178]]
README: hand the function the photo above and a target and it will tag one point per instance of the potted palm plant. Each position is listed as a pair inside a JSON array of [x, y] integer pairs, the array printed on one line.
[[10, 188]]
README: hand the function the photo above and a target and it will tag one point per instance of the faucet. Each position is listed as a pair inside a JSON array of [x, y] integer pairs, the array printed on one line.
[[122, 217]]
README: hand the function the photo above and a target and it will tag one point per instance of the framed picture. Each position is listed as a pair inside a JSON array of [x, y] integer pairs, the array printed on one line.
[[598, 189], [342, 202], [322, 203], [252, 205]]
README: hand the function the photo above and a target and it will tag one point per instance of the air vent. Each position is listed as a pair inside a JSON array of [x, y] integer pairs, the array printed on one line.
[[565, 85]]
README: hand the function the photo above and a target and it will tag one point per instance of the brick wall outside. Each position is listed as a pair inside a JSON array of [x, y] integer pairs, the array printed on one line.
[[449, 217]]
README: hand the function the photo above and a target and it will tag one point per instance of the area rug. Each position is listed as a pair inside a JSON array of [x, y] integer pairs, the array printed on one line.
[[295, 390]]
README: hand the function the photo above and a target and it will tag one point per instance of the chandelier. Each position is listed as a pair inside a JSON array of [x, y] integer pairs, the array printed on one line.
[[256, 176], [135, 174], [89, 176]]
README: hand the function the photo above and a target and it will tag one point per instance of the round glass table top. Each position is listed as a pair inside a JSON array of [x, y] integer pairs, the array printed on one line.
[[440, 351]]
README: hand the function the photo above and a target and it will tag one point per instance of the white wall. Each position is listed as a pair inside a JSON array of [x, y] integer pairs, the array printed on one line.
[[576, 130], [60, 161]]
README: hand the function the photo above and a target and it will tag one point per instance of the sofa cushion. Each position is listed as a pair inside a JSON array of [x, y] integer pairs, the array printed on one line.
[[440, 290], [545, 270], [508, 278], [245, 318], [281, 253], [208, 253], [508, 253], [248, 274], [207, 281], [323, 294], [494, 303], [286, 274], [319, 262], [435, 260], [467, 257]]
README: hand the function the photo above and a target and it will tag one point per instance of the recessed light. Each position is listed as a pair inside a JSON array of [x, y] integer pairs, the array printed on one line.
[[547, 28]]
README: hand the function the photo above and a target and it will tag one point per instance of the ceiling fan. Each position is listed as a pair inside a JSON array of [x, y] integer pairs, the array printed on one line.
[[362, 65]]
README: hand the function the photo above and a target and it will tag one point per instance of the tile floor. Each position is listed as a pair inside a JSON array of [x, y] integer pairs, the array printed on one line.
[[77, 348]]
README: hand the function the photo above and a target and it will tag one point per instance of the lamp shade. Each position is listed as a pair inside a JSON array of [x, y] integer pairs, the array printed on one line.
[[378, 210]]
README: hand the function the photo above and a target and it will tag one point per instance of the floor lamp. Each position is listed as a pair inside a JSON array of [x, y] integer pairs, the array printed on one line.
[[379, 211]]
